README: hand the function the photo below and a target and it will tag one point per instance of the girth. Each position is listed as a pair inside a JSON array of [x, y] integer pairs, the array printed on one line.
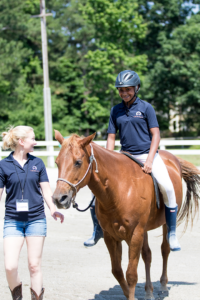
[[154, 180]]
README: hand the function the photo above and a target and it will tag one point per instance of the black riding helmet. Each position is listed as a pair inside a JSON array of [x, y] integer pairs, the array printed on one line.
[[128, 78]]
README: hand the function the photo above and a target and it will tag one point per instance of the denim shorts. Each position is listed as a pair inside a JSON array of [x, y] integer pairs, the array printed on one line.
[[14, 228]]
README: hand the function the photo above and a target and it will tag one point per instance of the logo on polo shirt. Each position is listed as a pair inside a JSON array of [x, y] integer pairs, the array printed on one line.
[[34, 169], [138, 113]]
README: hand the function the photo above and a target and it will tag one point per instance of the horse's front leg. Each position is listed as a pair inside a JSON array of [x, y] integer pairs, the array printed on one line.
[[165, 249], [135, 246], [115, 250], [146, 255]]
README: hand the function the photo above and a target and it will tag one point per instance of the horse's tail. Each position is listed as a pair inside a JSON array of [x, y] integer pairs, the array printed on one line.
[[190, 206]]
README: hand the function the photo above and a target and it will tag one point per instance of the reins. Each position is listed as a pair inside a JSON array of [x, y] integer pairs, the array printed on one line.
[[75, 205]]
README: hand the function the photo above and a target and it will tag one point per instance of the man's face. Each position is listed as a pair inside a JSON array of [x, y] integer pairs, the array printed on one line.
[[126, 93]]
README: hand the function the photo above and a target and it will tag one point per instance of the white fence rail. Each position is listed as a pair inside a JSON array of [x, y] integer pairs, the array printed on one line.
[[163, 144]]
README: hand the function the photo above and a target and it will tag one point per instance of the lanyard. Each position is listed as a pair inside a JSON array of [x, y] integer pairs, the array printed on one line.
[[22, 188]]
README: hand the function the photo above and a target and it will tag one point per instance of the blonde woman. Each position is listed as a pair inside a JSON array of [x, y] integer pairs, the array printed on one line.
[[24, 177]]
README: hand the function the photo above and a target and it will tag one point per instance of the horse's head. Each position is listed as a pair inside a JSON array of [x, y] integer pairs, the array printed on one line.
[[72, 162]]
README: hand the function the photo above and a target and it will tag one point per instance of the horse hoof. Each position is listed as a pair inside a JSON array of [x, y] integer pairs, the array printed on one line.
[[163, 288], [163, 291], [149, 296]]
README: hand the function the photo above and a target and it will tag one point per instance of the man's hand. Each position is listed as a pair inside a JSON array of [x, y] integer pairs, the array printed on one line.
[[147, 167]]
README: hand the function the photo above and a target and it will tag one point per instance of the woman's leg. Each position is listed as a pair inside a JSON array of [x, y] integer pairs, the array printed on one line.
[[35, 248], [12, 248], [161, 174]]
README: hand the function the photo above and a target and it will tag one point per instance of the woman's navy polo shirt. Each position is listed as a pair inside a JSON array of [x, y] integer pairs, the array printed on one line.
[[134, 125], [8, 178]]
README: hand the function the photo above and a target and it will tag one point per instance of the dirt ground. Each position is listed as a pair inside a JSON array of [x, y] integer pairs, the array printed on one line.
[[73, 272]]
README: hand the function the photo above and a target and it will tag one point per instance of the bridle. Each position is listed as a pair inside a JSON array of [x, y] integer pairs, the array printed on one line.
[[91, 158]]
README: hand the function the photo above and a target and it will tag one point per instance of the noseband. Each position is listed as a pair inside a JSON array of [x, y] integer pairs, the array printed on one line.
[[92, 158]]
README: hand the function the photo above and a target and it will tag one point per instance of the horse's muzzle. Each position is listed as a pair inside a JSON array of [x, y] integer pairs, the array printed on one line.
[[63, 201]]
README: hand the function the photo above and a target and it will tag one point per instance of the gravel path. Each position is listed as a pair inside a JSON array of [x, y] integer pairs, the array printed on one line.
[[73, 272]]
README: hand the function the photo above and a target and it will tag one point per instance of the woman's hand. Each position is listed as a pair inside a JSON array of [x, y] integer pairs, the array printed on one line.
[[47, 194], [147, 167], [56, 215]]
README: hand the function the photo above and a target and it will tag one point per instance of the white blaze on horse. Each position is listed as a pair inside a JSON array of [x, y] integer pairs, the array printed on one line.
[[125, 201]]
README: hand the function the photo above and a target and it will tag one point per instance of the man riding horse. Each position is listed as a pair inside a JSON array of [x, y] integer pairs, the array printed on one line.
[[139, 134]]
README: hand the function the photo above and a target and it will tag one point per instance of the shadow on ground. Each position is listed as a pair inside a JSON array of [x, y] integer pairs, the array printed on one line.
[[116, 292]]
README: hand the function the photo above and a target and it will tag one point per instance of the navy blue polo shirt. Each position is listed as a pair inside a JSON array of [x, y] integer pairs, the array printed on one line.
[[8, 178], [134, 125]]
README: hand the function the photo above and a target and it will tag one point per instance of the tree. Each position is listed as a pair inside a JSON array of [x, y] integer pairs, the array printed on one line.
[[117, 26], [85, 57], [163, 18], [176, 74], [21, 75]]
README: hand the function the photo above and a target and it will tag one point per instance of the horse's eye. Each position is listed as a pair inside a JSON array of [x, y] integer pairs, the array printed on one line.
[[78, 163]]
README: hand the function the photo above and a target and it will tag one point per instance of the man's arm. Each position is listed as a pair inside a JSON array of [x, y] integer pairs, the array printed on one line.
[[111, 141], [1, 192], [155, 132]]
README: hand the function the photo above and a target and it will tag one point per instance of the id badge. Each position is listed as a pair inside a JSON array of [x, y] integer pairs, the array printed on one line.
[[22, 205]]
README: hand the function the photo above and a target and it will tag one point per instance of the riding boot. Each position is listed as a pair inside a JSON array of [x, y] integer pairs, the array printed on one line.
[[17, 292], [97, 233], [170, 215], [34, 296]]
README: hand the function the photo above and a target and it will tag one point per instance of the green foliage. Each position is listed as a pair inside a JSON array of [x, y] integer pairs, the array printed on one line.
[[172, 61], [161, 17], [89, 43], [117, 27], [176, 73]]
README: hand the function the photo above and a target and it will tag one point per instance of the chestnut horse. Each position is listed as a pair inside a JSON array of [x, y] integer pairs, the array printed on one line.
[[125, 201]]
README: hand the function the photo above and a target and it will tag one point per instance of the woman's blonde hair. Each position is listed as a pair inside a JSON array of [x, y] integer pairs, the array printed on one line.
[[12, 136]]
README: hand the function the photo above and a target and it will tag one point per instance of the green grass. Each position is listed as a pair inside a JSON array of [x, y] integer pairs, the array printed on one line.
[[194, 159], [44, 159]]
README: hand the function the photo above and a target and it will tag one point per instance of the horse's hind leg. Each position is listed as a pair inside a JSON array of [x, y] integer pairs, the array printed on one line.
[[146, 255], [115, 250], [165, 249]]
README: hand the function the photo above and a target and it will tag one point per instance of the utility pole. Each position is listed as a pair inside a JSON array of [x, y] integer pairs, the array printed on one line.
[[46, 90]]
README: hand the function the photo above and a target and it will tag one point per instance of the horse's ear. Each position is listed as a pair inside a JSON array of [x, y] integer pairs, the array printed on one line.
[[59, 137], [84, 142]]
